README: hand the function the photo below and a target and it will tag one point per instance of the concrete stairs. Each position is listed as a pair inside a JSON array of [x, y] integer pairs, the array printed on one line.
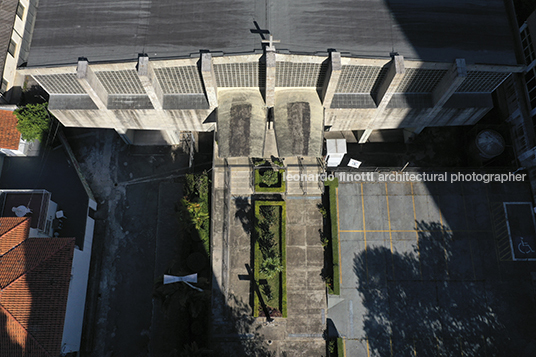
[[270, 142], [308, 169], [241, 176]]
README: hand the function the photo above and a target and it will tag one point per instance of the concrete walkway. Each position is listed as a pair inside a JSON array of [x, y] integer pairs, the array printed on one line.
[[235, 330]]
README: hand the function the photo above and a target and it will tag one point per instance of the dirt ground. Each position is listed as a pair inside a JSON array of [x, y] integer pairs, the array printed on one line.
[[128, 251]]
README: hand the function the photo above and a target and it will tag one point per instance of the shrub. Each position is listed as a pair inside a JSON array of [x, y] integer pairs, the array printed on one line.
[[271, 266], [268, 213], [323, 211], [33, 121], [270, 177]]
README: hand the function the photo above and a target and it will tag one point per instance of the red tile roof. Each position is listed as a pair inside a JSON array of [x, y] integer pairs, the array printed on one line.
[[13, 230], [9, 135], [34, 285]]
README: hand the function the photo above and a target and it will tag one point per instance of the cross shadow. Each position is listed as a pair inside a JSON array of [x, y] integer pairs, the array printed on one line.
[[258, 292], [260, 31]]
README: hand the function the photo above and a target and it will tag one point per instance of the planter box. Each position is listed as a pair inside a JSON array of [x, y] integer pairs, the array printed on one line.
[[278, 282]]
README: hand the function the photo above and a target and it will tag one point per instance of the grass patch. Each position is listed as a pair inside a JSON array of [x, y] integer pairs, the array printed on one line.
[[334, 287], [270, 258], [260, 186]]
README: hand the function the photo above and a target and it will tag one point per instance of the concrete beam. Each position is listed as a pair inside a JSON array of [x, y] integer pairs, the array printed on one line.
[[209, 79], [391, 82], [332, 78], [91, 84], [365, 136], [126, 135], [449, 83], [144, 74], [269, 92], [445, 89]]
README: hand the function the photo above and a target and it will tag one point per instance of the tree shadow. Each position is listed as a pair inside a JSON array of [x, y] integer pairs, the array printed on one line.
[[239, 340], [412, 305], [243, 213]]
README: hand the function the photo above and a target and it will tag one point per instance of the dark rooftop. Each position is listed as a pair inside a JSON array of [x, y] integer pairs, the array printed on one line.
[[439, 31], [53, 172]]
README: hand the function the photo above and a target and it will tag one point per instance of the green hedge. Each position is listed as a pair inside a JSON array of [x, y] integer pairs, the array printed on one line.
[[332, 186], [258, 255], [258, 187]]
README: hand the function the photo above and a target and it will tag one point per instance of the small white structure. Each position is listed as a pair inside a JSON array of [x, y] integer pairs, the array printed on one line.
[[168, 279], [354, 163], [336, 149]]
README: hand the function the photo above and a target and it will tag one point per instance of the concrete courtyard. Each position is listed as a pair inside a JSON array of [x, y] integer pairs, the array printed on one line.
[[427, 270]]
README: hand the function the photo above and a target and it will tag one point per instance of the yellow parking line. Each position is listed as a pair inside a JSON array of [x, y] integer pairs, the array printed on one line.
[[416, 232], [390, 233], [413, 202], [364, 231], [388, 216]]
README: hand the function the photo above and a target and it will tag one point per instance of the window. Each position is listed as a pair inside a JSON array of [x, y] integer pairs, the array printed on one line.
[[12, 48], [526, 42], [4, 85], [20, 11]]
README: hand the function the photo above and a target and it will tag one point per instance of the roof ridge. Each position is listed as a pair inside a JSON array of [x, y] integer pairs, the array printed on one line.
[[42, 260], [22, 326]]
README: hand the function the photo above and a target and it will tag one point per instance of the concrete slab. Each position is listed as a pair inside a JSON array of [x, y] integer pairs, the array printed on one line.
[[296, 235], [399, 188], [351, 217], [296, 281], [356, 347], [460, 263], [430, 291], [314, 280], [315, 256], [477, 212], [352, 236], [298, 122], [296, 258], [453, 211], [312, 235], [427, 209], [241, 123], [375, 212], [401, 213]]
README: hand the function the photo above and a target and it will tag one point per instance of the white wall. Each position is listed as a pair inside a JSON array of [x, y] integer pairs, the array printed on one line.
[[76, 302]]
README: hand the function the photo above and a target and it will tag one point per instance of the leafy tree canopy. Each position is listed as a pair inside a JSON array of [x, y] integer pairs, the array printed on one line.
[[33, 121]]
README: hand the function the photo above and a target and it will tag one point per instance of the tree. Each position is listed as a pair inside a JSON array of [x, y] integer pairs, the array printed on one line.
[[33, 121]]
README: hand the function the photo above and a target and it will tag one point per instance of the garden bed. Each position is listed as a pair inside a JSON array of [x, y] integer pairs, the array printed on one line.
[[331, 230], [269, 175], [270, 259], [194, 209], [261, 175]]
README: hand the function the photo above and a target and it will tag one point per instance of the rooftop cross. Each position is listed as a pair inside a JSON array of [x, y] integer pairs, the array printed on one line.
[[271, 42]]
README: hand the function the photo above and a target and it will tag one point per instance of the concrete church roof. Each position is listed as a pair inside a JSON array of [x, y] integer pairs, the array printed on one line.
[[436, 31]]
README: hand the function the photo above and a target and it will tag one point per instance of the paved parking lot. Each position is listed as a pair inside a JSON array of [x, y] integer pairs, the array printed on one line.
[[424, 271]]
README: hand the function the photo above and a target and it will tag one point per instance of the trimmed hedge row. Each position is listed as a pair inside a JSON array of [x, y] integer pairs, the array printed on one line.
[[332, 188], [258, 181]]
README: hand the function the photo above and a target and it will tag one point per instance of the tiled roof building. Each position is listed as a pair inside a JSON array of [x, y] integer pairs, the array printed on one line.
[[34, 283], [9, 135]]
